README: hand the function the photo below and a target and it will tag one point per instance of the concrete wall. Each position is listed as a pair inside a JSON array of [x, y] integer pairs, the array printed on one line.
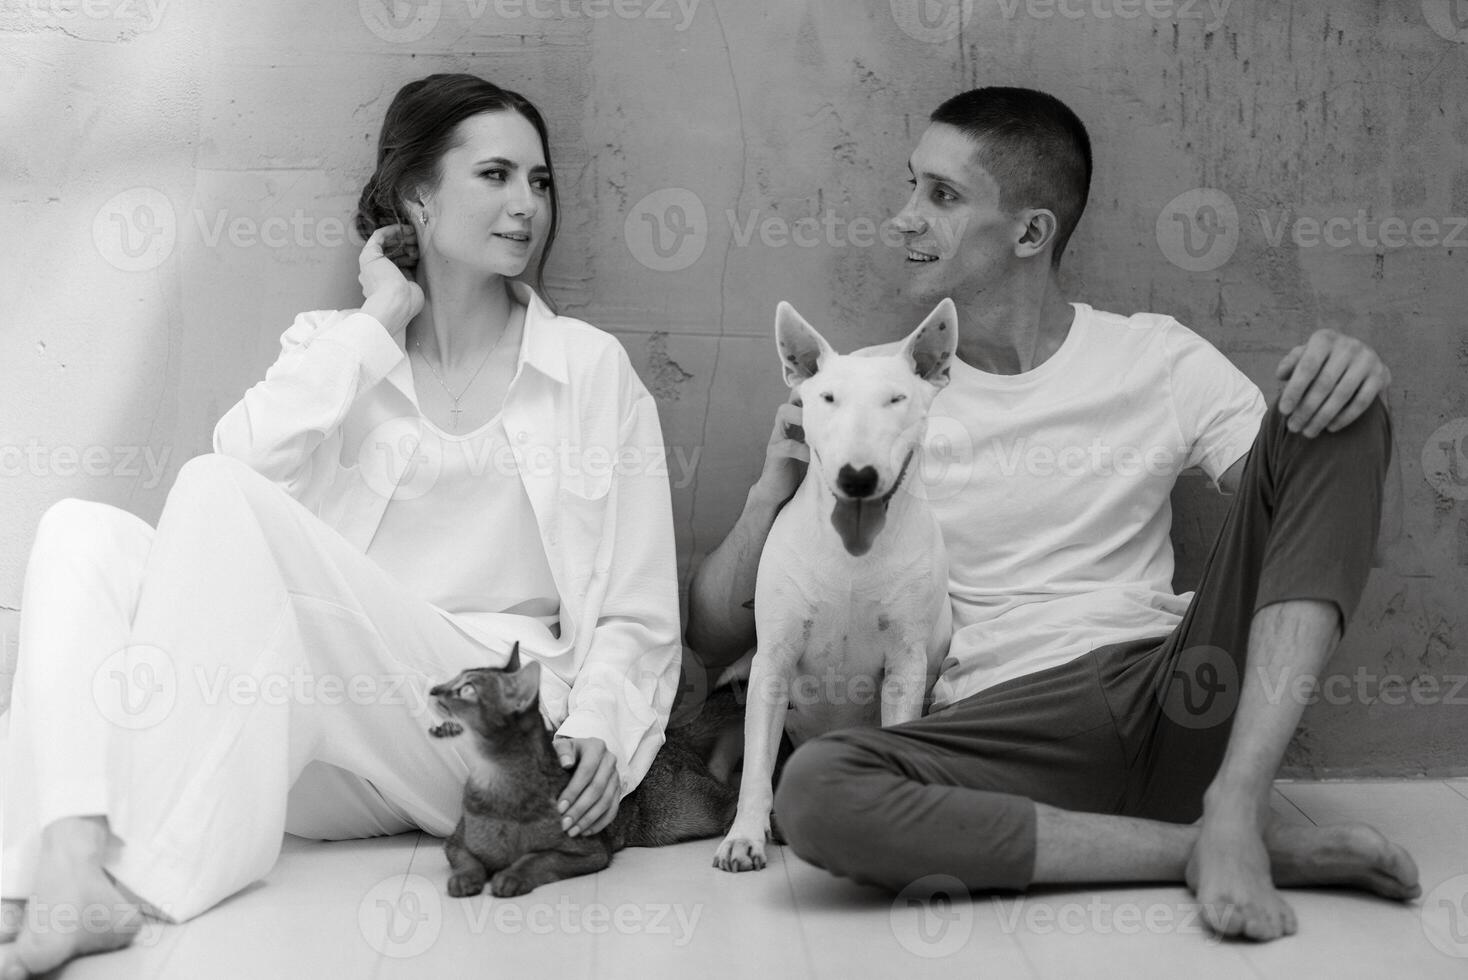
[[177, 178]]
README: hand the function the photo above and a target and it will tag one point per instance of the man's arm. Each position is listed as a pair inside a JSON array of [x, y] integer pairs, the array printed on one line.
[[721, 594], [1329, 382]]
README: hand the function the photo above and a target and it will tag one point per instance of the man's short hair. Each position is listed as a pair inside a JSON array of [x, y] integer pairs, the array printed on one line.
[[1033, 145]]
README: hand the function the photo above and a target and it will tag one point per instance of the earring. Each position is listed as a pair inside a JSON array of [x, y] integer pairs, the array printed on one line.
[[424, 215]]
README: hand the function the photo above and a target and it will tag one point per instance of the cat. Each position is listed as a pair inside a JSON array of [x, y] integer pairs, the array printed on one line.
[[510, 832]]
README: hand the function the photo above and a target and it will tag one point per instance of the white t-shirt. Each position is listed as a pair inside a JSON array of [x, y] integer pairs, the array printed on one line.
[[475, 499], [1052, 488], [467, 489]]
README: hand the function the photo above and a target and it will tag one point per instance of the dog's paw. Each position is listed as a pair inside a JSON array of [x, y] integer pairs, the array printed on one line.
[[740, 854], [507, 884], [466, 883]]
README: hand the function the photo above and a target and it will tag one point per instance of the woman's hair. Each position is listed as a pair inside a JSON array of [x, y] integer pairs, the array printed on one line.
[[420, 127]]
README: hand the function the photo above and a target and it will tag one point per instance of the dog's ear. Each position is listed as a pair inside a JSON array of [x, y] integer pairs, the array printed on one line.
[[932, 345], [802, 349]]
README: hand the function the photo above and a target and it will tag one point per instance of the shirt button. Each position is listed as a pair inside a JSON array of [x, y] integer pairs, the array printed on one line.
[[522, 436]]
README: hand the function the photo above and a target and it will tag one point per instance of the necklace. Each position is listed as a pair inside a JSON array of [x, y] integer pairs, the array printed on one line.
[[456, 411]]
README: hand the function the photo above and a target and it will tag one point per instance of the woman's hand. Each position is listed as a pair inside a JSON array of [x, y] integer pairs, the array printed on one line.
[[387, 293], [591, 798]]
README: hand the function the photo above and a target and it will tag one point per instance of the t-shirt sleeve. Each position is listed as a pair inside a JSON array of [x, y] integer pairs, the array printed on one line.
[[1218, 408]]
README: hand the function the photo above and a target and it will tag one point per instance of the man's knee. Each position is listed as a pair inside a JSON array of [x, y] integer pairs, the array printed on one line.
[[815, 803], [1369, 433]]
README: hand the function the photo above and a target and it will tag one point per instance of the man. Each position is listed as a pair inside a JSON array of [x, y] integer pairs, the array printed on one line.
[[1087, 718]]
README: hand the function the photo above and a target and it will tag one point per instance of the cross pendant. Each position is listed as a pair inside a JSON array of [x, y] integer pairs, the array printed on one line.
[[455, 411]]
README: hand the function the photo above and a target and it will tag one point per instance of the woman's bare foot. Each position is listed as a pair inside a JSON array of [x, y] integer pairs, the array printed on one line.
[[74, 909]]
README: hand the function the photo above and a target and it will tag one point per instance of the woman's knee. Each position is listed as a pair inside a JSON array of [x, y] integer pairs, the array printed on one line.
[[208, 472], [75, 526], [221, 486]]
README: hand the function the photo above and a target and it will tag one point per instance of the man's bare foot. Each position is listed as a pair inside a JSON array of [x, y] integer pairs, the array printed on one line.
[[1229, 872], [1349, 855], [74, 909], [1238, 899]]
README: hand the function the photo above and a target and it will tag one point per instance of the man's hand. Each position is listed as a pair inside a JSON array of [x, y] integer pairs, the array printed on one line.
[[1330, 381], [786, 456], [721, 593], [592, 797]]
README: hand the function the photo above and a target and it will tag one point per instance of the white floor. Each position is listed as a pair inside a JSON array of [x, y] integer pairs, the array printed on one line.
[[377, 909]]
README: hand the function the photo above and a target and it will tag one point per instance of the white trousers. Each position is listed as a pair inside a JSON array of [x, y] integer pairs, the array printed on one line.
[[239, 672]]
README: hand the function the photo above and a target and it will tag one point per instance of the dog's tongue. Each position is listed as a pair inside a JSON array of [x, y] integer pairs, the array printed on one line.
[[858, 522]]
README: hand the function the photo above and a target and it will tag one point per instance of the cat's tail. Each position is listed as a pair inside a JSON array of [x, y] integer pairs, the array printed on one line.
[[678, 800]]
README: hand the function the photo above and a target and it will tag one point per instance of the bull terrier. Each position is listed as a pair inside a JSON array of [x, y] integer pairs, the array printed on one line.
[[851, 605]]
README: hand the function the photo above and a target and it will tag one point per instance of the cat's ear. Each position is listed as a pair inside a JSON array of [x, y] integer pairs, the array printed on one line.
[[514, 661], [524, 687]]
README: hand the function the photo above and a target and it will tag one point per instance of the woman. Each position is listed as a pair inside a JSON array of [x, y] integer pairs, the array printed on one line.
[[413, 487]]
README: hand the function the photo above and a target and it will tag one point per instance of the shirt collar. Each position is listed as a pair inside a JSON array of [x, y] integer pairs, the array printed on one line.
[[544, 344]]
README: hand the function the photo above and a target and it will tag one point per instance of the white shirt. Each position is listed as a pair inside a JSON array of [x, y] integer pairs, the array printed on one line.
[[335, 424], [1052, 488]]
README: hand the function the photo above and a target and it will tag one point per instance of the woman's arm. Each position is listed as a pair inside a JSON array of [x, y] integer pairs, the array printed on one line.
[[624, 690], [327, 360]]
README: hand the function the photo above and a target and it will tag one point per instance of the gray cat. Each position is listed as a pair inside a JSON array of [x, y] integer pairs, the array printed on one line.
[[510, 833]]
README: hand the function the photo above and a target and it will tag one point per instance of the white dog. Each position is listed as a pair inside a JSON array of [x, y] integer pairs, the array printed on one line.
[[851, 602]]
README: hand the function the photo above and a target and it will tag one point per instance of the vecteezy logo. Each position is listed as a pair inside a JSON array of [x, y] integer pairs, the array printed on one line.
[[932, 21], [136, 687], [1202, 689], [933, 917], [392, 461], [1445, 459], [1198, 230], [667, 230], [135, 231], [1445, 916], [401, 916], [1447, 18], [400, 21]]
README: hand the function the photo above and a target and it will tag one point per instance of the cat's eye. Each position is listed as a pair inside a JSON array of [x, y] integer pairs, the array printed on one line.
[[467, 692]]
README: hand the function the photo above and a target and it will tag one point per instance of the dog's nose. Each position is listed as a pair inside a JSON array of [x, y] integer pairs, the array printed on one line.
[[857, 483]]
